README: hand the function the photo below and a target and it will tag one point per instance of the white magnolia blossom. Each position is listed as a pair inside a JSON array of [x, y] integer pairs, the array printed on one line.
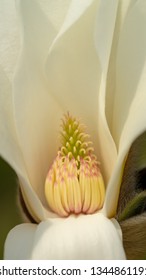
[[86, 57]]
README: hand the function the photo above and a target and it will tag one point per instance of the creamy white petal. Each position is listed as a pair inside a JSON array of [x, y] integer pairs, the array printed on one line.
[[76, 9], [19, 242], [33, 203], [10, 148], [9, 36], [73, 67], [37, 31], [123, 8], [37, 115], [37, 134], [70, 238], [56, 11], [105, 27], [129, 119], [130, 63]]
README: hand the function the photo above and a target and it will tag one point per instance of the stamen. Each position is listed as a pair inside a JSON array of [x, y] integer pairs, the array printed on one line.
[[74, 183]]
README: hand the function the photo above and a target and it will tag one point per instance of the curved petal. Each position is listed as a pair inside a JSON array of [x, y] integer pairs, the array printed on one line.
[[73, 67], [33, 202], [55, 11], [15, 241], [130, 57], [122, 11], [9, 36], [105, 26], [10, 148], [129, 117], [9, 145], [76, 9], [36, 113], [70, 238]]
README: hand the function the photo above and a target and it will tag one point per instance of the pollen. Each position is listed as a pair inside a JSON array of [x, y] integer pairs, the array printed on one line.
[[74, 183]]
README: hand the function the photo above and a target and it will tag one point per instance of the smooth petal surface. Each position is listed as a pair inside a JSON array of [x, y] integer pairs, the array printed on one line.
[[123, 8], [73, 68], [9, 37], [17, 244], [34, 108], [105, 27], [129, 118], [10, 148], [130, 66], [76, 9], [70, 238], [55, 11]]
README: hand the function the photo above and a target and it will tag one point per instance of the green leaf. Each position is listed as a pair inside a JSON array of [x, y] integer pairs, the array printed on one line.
[[134, 207]]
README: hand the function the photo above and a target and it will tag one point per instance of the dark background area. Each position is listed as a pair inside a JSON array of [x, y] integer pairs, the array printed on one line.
[[9, 210]]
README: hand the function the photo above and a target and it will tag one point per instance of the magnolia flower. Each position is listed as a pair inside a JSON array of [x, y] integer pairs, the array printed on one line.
[[86, 58]]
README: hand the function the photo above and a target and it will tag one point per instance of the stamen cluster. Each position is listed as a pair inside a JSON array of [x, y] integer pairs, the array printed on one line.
[[74, 183]]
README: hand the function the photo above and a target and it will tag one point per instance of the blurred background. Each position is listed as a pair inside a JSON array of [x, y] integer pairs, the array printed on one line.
[[9, 210]]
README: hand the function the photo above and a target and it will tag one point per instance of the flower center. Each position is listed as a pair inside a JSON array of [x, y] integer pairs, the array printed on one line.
[[74, 183]]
